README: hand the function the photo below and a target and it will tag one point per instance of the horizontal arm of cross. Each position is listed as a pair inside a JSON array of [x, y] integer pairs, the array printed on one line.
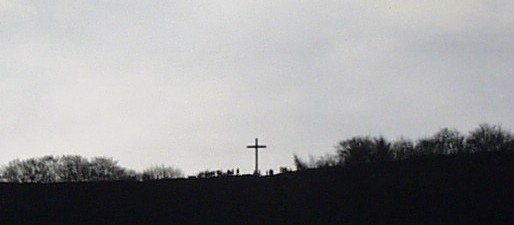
[[256, 146]]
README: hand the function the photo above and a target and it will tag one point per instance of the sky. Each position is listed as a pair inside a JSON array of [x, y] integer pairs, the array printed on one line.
[[191, 83]]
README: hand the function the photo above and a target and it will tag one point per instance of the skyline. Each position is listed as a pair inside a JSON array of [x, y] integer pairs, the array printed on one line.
[[191, 84]]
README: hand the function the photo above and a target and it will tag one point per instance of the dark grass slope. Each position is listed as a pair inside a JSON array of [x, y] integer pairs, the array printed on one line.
[[465, 189]]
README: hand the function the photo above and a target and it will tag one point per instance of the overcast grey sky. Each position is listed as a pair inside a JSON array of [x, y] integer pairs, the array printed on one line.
[[191, 83]]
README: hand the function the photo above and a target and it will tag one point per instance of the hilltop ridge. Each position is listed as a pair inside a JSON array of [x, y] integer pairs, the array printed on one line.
[[459, 189]]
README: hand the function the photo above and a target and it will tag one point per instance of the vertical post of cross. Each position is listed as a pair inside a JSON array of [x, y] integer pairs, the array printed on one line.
[[256, 147]]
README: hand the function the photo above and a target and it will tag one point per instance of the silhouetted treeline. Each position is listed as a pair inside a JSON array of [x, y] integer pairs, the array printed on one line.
[[371, 150], [455, 189], [75, 168]]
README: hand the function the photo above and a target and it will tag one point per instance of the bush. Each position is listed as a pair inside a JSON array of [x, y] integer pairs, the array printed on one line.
[[361, 150], [356, 150], [403, 149], [367, 150], [328, 160], [445, 142], [68, 168], [161, 172], [489, 138], [299, 163]]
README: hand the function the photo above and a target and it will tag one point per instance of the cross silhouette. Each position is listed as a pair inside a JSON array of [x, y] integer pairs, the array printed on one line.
[[256, 147]]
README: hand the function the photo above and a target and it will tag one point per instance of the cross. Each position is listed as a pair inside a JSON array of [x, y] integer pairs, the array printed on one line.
[[256, 147]]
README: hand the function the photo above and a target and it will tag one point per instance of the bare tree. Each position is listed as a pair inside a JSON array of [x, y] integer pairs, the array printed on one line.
[[356, 150], [403, 149], [67, 168], [489, 138], [448, 141], [162, 172], [381, 150]]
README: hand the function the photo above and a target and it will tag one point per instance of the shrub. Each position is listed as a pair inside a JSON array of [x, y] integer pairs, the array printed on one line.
[[489, 138], [67, 168], [161, 172]]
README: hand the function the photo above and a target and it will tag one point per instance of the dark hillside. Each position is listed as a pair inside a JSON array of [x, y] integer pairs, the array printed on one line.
[[463, 189]]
